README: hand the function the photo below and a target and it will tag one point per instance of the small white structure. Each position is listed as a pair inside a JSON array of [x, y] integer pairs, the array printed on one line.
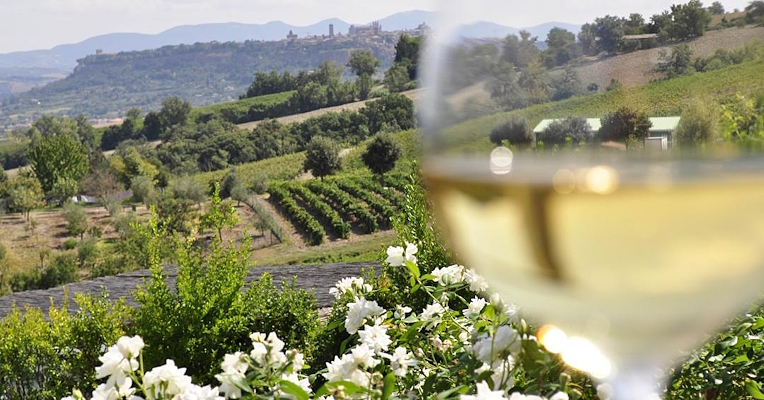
[[663, 127]]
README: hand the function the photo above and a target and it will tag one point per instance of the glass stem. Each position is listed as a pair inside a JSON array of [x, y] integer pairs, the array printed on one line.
[[636, 382]]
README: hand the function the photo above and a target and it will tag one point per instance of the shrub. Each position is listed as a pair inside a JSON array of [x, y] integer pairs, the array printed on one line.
[[61, 271], [76, 219], [88, 254], [43, 358], [143, 189], [69, 244], [623, 124], [573, 129], [205, 311], [699, 124], [515, 130]]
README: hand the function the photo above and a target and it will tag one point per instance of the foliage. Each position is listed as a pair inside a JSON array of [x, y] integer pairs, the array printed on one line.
[[55, 157], [185, 187], [742, 119], [207, 313], [678, 63], [100, 182], [716, 8], [297, 215], [623, 124], [249, 109], [322, 157], [364, 65], [62, 270], [23, 193], [230, 183], [44, 356], [220, 214], [175, 112], [381, 154], [144, 190], [380, 205], [339, 227], [407, 54], [688, 20], [346, 204], [64, 189], [76, 219], [515, 130], [754, 11], [568, 130], [699, 124], [562, 48]]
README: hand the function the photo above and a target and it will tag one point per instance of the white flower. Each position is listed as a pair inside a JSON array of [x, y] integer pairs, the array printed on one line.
[[363, 355], [130, 347], [297, 358], [114, 365], [400, 360], [257, 337], [411, 250], [502, 369], [120, 388], [604, 391], [487, 348], [477, 283], [167, 379], [375, 337], [397, 256], [401, 312], [354, 286], [432, 314], [475, 307], [507, 338], [448, 275], [234, 363], [230, 382], [303, 383], [519, 396], [346, 369], [484, 393], [194, 392], [258, 353], [560, 396], [358, 311]]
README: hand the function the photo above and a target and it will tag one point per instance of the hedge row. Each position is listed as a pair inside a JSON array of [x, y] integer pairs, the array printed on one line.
[[391, 194], [350, 205], [301, 218], [376, 203], [339, 227]]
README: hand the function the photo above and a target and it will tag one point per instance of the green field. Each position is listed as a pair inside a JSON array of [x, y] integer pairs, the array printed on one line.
[[238, 111], [657, 99]]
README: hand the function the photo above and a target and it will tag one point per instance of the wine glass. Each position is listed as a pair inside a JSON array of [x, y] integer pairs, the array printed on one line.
[[594, 180]]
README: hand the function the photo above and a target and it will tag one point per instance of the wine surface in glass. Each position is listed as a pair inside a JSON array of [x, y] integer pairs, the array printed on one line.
[[640, 258]]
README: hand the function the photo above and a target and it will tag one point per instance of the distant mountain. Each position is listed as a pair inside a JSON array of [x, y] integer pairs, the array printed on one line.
[[63, 58]]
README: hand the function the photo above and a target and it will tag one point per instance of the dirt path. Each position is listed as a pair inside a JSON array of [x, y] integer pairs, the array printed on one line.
[[411, 94]]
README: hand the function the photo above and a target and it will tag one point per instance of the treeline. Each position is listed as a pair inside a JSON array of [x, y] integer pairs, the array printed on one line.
[[216, 144]]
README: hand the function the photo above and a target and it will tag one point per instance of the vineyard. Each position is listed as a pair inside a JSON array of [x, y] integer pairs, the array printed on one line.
[[334, 208], [245, 110]]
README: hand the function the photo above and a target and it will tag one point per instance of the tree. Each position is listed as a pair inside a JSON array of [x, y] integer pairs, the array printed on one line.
[[625, 123], [716, 8], [64, 189], [230, 183], [220, 215], [175, 111], [102, 183], [363, 62], [521, 51], [699, 123], [186, 187], [562, 48], [143, 189], [76, 220], [381, 154], [3, 175], [610, 31], [689, 20], [152, 126], [407, 54], [572, 129], [754, 11], [56, 157], [587, 37], [396, 78], [567, 86], [678, 63], [23, 192], [515, 130], [322, 157]]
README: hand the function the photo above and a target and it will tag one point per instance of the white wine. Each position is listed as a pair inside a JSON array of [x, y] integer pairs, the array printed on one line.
[[641, 256]]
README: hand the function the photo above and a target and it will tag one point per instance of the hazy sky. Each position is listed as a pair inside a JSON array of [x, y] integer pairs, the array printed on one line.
[[42, 24]]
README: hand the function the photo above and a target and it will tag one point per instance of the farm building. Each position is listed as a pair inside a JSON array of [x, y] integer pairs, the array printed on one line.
[[663, 127]]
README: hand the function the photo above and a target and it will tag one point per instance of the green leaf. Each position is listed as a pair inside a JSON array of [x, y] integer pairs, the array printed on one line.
[[413, 268], [753, 389], [389, 386], [292, 388], [447, 394], [331, 387], [334, 325]]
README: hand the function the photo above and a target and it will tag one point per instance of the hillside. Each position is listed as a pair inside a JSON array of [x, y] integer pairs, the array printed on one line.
[[108, 85]]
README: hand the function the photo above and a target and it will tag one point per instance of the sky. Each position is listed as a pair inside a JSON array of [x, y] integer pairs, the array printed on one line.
[[42, 24]]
